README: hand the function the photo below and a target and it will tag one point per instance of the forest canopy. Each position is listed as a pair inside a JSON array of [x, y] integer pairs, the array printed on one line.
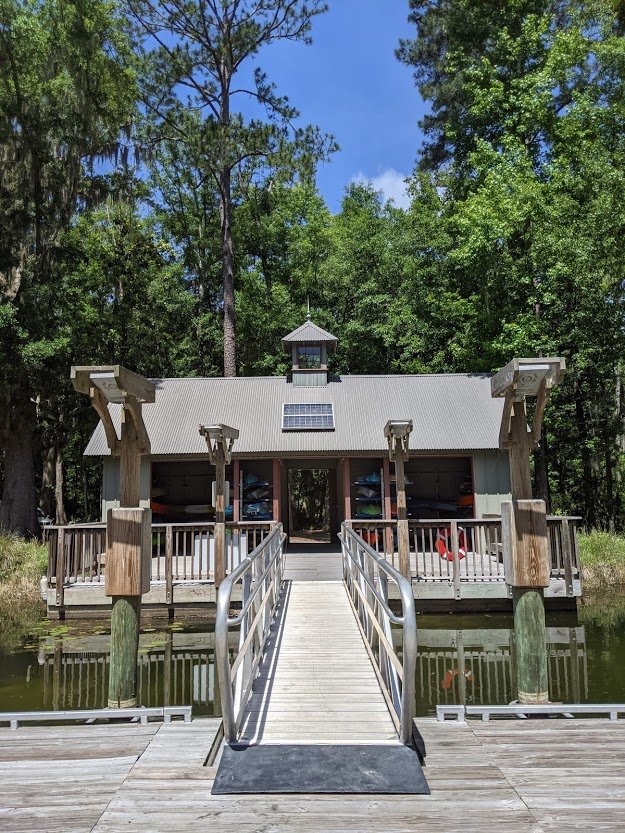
[[147, 220]]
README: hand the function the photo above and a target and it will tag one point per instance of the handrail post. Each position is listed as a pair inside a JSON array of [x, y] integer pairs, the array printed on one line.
[[169, 565], [60, 567], [567, 555], [455, 551]]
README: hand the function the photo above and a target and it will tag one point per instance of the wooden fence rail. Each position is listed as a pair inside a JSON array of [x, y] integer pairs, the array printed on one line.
[[180, 552], [468, 549]]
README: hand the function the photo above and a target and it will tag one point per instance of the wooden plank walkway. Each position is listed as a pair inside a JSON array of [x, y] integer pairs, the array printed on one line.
[[317, 684], [532, 776]]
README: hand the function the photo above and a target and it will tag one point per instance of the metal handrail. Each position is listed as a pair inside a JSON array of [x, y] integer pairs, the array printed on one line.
[[261, 574], [368, 594]]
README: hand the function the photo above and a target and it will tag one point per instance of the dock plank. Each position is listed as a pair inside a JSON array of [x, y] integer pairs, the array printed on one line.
[[481, 779]]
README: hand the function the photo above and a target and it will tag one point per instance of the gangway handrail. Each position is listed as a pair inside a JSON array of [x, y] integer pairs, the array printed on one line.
[[368, 594], [261, 574]]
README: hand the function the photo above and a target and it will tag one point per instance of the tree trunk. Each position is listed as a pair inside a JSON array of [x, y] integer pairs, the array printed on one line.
[[227, 250], [46, 493], [18, 507], [588, 489], [61, 517]]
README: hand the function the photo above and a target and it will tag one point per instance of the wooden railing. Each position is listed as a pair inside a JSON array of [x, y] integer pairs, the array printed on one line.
[[180, 552], [468, 549]]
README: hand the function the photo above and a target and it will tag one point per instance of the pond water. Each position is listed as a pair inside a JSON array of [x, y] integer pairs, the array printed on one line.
[[462, 659]]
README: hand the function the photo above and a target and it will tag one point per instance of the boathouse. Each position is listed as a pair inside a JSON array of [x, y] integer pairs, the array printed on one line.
[[312, 419]]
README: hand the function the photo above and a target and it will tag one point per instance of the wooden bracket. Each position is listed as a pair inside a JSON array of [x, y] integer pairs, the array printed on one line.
[[133, 407], [99, 404], [523, 378], [220, 437]]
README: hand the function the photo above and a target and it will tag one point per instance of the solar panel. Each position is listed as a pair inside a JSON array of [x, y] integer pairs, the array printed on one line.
[[308, 417]]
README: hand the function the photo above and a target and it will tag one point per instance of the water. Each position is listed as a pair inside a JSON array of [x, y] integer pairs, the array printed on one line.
[[461, 659]]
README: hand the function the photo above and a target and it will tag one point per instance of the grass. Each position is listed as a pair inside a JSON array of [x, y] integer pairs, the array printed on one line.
[[602, 556], [22, 563]]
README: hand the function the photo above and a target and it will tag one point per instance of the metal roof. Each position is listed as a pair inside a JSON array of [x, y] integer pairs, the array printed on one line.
[[309, 332], [451, 412]]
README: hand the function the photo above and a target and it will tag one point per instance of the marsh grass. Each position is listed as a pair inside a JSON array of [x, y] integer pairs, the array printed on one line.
[[22, 563], [602, 557]]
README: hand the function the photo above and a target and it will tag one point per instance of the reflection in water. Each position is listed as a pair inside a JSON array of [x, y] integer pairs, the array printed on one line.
[[462, 659], [474, 664]]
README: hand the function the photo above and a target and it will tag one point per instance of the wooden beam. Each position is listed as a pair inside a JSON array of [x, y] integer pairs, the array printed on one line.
[[133, 407]]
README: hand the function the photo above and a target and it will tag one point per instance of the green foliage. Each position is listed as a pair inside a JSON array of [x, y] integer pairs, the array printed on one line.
[[22, 563], [602, 557], [19, 557]]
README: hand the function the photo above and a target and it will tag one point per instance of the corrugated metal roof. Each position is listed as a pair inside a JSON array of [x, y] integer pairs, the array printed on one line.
[[451, 412], [309, 332]]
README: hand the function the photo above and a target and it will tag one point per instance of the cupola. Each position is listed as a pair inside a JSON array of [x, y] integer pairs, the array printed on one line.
[[309, 346]]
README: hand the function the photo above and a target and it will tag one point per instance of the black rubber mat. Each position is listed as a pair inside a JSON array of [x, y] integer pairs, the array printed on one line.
[[320, 768]]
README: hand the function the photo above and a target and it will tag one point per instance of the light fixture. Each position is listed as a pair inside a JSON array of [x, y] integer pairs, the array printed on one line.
[[397, 433], [524, 377], [107, 384], [219, 437]]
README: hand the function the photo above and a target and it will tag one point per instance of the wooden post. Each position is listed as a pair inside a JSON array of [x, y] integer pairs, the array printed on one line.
[[127, 576], [403, 542], [236, 495], [169, 565], [333, 513], [220, 515], [520, 446], [129, 463], [388, 512], [125, 622], [277, 484], [128, 534], [219, 441], [527, 559], [527, 571], [347, 490], [60, 567]]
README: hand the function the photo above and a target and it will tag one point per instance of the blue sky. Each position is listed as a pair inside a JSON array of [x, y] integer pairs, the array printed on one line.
[[350, 84]]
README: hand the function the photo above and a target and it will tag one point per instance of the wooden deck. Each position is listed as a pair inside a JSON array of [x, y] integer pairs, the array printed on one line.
[[514, 776]]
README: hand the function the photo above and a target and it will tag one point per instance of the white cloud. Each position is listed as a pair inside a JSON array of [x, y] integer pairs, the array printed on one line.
[[391, 183]]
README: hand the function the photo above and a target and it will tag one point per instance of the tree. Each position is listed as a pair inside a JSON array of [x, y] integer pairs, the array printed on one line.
[[204, 50], [66, 96], [525, 145]]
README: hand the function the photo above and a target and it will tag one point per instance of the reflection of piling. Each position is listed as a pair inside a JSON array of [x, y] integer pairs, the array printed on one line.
[[167, 664], [57, 670], [462, 680], [575, 686]]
